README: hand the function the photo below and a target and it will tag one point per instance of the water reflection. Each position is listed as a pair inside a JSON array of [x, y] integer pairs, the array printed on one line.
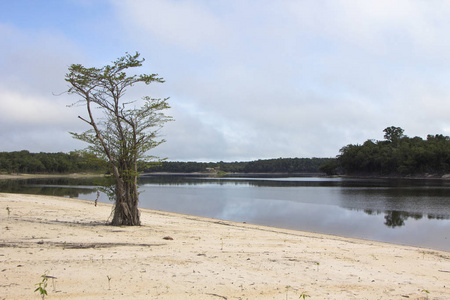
[[414, 212], [62, 187], [405, 198], [399, 203]]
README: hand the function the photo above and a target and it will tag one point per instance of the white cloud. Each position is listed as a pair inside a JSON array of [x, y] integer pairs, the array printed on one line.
[[186, 24], [32, 72], [35, 63], [323, 75], [255, 79], [30, 110]]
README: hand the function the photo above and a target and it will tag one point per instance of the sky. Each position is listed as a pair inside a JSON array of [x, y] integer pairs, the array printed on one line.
[[247, 80]]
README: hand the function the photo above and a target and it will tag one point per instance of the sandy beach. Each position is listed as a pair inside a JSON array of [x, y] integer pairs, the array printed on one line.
[[173, 256]]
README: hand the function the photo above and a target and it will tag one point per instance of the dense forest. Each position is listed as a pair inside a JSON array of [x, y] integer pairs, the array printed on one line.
[[50, 163], [73, 162], [397, 155], [279, 165]]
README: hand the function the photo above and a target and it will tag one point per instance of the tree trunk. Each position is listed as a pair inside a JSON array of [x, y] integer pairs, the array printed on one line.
[[126, 210]]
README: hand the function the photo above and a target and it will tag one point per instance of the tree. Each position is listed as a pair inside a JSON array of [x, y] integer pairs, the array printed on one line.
[[121, 133], [393, 134]]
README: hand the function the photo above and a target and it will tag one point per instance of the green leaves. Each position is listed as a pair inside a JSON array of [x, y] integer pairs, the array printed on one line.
[[393, 134], [397, 155], [42, 286]]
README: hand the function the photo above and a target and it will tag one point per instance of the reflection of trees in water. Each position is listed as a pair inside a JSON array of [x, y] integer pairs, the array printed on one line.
[[63, 187], [438, 217], [395, 218], [53, 191], [75, 187], [233, 179]]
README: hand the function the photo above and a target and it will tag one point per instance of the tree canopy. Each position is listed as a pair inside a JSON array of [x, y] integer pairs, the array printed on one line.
[[397, 155], [50, 163], [276, 165]]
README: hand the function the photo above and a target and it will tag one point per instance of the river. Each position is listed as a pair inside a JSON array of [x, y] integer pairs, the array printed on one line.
[[410, 212]]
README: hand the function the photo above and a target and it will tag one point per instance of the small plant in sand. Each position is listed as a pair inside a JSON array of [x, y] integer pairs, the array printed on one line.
[[42, 286], [9, 211], [287, 290], [304, 295], [425, 291], [221, 244], [109, 282]]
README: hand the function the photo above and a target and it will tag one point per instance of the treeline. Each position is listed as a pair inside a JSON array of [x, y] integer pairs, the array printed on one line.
[[279, 165], [79, 161], [398, 154], [50, 163]]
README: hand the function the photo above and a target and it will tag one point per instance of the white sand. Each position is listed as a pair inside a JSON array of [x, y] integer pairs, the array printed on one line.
[[207, 259]]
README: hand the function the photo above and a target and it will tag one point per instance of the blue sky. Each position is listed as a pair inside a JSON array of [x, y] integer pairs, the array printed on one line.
[[246, 79]]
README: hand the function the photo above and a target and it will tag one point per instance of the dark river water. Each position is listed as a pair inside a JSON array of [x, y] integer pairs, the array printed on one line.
[[410, 212]]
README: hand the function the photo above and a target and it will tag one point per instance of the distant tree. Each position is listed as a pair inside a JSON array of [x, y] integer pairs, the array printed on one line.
[[123, 133], [393, 133]]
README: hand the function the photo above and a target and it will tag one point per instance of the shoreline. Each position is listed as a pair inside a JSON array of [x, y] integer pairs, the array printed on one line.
[[444, 177], [205, 259]]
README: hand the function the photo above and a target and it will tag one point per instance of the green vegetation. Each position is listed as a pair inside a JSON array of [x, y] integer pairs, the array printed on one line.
[[425, 291], [79, 162], [50, 163], [397, 155], [42, 286], [278, 165], [304, 295]]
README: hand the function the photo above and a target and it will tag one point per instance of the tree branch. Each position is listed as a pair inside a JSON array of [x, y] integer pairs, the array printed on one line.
[[80, 117]]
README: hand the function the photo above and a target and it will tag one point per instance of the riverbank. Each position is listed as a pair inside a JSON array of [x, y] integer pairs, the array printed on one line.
[[83, 175], [173, 256]]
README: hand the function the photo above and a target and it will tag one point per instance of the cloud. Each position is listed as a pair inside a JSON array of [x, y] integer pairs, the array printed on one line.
[[186, 24], [33, 67], [299, 78], [36, 123], [35, 61], [29, 110], [248, 79], [190, 136]]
